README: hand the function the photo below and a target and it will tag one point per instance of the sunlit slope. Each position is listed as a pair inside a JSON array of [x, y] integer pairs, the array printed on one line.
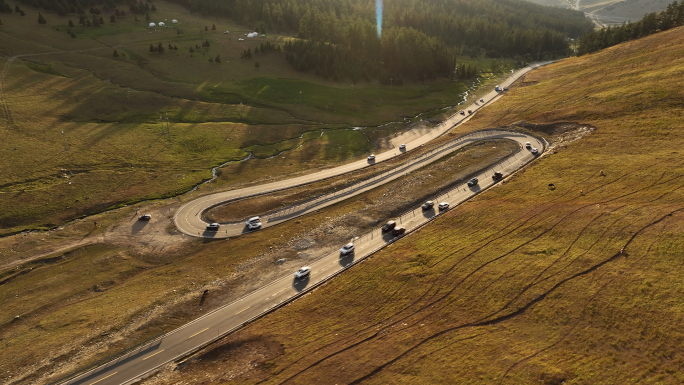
[[524, 284]]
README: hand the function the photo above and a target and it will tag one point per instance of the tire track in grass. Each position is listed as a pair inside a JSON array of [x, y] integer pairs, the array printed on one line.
[[485, 322], [432, 303], [514, 365], [356, 330], [579, 318], [429, 290], [535, 238], [379, 331], [537, 280], [462, 280]]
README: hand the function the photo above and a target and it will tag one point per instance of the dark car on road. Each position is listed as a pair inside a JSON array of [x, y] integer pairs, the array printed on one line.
[[427, 205], [398, 231], [213, 227], [497, 176], [472, 182], [389, 226]]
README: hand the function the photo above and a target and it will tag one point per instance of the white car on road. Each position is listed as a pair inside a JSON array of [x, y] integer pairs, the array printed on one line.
[[253, 223], [371, 157], [347, 249], [213, 226], [303, 272], [443, 206]]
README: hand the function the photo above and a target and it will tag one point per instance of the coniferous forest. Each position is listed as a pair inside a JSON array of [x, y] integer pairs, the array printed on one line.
[[420, 39], [671, 17]]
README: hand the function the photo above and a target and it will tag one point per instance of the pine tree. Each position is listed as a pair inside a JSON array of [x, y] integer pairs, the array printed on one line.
[[71, 23], [206, 28], [213, 27], [152, 48], [41, 19], [101, 21], [256, 64], [115, 54], [154, 8], [112, 19], [211, 60], [16, 8], [147, 16], [160, 48], [22, 13], [73, 35], [218, 59], [192, 50], [136, 18]]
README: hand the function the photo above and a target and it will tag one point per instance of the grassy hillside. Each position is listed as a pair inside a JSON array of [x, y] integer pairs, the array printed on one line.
[[522, 284], [83, 130]]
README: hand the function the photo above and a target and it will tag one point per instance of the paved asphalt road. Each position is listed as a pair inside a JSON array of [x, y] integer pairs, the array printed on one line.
[[189, 218], [189, 337]]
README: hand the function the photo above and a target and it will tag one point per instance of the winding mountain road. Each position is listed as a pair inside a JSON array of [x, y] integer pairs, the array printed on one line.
[[190, 220], [145, 359]]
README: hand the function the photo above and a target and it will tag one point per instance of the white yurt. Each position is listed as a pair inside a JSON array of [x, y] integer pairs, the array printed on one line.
[[161, 23], [152, 25], [174, 21]]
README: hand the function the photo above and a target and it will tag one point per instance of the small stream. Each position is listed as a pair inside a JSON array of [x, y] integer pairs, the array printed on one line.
[[474, 85]]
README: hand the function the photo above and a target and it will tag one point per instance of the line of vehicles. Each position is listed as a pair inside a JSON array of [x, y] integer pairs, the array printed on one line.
[[254, 223], [391, 226]]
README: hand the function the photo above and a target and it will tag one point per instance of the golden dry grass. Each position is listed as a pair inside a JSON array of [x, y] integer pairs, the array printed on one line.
[[522, 284]]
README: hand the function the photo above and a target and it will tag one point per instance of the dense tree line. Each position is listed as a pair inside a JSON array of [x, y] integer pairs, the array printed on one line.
[[419, 38], [64, 7], [672, 16], [400, 53]]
